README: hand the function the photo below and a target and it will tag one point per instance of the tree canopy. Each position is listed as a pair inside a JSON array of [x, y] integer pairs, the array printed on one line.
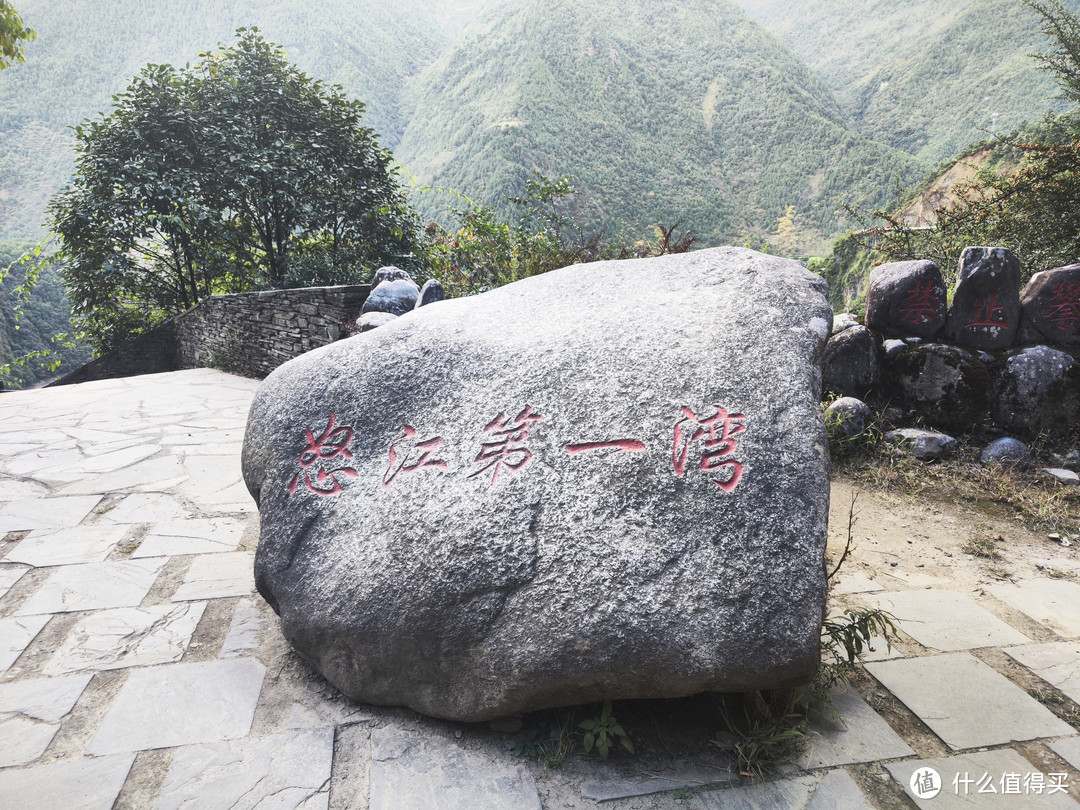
[[238, 172], [13, 33]]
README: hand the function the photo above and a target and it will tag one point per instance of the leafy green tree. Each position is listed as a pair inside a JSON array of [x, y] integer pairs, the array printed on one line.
[[13, 33], [237, 173], [35, 338], [308, 194]]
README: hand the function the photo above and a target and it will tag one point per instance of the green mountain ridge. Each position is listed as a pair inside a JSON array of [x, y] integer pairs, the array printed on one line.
[[88, 50], [660, 110], [922, 76]]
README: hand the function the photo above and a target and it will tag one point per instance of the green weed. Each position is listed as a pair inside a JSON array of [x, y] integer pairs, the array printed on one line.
[[601, 730]]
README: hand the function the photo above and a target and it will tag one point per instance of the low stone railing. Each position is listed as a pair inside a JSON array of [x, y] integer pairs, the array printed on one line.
[[246, 333]]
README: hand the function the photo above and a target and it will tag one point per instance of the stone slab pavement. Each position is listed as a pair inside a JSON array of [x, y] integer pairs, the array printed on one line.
[[139, 668]]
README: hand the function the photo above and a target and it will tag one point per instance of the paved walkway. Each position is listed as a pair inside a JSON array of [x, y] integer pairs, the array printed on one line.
[[138, 668]]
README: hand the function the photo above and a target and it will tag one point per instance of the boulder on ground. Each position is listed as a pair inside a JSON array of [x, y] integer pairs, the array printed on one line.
[[431, 292], [906, 298], [522, 499], [1037, 390], [396, 296], [1050, 308], [946, 385], [848, 418], [1006, 450], [1064, 477], [925, 445], [850, 366], [842, 321], [985, 310]]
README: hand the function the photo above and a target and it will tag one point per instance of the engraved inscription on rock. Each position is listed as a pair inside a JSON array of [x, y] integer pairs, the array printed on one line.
[[522, 499]]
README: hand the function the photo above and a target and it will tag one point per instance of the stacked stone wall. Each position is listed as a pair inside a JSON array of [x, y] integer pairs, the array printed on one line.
[[247, 333], [150, 353], [254, 333]]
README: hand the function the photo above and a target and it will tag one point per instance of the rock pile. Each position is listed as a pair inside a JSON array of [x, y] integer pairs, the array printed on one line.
[[393, 294], [966, 365]]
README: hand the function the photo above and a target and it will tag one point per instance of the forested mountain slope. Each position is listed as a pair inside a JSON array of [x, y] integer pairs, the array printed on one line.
[[88, 50], [662, 110], [924, 76]]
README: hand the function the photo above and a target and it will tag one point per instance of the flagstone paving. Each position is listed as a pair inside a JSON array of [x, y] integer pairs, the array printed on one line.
[[139, 668]]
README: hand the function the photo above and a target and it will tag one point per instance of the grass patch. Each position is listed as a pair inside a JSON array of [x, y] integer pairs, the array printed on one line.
[[1060, 705], [985, 547]]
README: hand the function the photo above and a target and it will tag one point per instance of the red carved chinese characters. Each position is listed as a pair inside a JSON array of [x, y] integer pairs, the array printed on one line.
[[1066, 305], [921, 305], [507, 448], [333, 443], [618, 445], [992, 314], [719, 447], [426, 449]]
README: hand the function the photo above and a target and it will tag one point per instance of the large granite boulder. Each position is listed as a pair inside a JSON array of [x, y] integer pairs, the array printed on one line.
[[1037, 390], [985, 310], [946, 385], [522, 499], [1050, 308], [906, 299], [850, 364]]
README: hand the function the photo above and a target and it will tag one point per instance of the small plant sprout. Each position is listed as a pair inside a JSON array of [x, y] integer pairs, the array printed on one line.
[[601, 729]]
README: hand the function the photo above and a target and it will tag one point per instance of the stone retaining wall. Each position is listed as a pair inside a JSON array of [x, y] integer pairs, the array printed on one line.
[[246, 333]]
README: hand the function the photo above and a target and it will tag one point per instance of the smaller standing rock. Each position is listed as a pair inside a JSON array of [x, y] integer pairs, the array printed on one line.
[[1066, 477], [850, 363], [371, 320], [1050, 308], [1005, 450], [985, 311], [388, 273], [906, 298], [396, 296], [431, 292], [847, 418], [925, 445]]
